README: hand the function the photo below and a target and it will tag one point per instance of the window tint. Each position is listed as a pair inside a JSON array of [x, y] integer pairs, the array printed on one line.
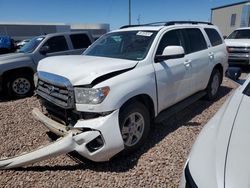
[[57, 44], [240, 34], [213, 36], [80, 41], [171, 38], [195, 39]]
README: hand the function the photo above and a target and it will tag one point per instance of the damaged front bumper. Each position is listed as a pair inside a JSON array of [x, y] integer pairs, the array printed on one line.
[[96, 139]]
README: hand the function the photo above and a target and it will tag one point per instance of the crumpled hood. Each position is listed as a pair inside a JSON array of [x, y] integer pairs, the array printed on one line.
[[12, 57], [238, 157], [208, 155], [238, 42], [81, 69]]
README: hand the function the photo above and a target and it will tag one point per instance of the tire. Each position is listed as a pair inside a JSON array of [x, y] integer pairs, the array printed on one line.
[[213, 85], [134, 120], [19, 85]]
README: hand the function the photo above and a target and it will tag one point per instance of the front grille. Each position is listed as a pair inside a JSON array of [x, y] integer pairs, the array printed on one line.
[[233, 49], [64, 116], [58, 95]]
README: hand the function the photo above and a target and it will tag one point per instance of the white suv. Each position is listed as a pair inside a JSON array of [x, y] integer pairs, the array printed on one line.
[[238, 45], [103, 101]]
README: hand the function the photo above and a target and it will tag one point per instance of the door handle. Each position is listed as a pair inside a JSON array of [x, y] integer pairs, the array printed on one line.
[[211, 55], [187, 63]]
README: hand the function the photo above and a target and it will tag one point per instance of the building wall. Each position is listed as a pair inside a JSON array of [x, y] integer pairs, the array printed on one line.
[[222, 18]]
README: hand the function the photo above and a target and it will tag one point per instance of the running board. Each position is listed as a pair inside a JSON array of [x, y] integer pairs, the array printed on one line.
[[179, 106]]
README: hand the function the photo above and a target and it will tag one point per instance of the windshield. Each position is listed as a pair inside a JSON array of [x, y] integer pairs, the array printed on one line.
[[31, 45], [132, 45], [240, 34]]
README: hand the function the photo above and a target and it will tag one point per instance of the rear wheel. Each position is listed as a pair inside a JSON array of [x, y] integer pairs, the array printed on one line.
[[214, 84], [19, 86], [134, 125]]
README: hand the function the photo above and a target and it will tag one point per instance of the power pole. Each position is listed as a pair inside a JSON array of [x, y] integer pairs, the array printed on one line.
[[129, 12], [139, 19]]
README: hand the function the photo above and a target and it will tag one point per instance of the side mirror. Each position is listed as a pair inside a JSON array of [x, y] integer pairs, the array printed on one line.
[[44, 50], [233, 73], [170, 52]]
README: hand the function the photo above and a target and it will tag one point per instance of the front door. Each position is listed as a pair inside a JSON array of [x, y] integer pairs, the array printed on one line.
[[173, 75]]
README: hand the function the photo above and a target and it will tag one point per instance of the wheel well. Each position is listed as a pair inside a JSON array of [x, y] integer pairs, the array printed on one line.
[[145, 100], [219, 67], [23, 70]]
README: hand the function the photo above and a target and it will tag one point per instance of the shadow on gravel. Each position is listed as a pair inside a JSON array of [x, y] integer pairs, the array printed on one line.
[[159, 131]]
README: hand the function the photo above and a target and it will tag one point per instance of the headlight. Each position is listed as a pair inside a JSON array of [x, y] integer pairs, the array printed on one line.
[[90, 95]]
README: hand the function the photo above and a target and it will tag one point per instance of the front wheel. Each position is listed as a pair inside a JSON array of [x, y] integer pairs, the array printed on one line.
[[213, 85], [19, 86], [134, 123]]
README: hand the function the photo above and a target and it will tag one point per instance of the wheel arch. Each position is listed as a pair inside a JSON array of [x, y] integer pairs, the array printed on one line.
[[145, 100], [26, 70]]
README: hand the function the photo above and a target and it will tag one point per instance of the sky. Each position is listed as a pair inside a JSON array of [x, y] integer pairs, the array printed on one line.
[[113, 12]]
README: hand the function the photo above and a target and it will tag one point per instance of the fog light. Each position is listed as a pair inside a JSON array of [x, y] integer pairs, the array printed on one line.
[[95, 144]]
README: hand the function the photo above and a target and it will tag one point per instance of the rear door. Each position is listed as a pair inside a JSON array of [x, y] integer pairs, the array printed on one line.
[[173, 75], [80, 42], [197, 55]]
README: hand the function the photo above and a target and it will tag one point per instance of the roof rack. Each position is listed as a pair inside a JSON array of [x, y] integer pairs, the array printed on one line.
[[187, 22], [167, 23]]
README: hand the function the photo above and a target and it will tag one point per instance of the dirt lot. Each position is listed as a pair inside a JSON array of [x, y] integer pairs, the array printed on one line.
[[158, 164]]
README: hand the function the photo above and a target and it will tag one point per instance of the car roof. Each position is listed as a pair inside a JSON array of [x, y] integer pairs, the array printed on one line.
[[66, 33]]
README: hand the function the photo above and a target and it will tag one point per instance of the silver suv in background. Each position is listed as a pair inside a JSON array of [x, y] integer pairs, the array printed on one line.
[[17, 69]]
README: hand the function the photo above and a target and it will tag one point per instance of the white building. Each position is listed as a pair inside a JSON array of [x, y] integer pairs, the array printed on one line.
[[232, 16]]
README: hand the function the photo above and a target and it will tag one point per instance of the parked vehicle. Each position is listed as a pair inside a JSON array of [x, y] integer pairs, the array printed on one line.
[[220, 155], [103, 102], [17, 69], [6, 45], [22, 43], [238, 44]]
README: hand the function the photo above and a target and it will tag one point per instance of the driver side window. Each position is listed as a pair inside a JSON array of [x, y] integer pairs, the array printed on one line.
[[56, 44], [171, 38]]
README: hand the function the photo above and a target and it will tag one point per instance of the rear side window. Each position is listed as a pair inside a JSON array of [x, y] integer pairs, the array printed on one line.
[[80, 41], [213, 36], [195, 39], [56, 44]]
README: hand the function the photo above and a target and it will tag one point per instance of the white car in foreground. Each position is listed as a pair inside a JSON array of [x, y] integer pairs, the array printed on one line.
[[220, 156]]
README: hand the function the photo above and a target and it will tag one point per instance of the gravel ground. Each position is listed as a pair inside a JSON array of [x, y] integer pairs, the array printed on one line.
[[157, 164]]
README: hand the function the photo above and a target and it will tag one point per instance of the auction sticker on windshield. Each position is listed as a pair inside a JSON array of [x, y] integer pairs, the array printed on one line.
[[41, 38], [144, 33]]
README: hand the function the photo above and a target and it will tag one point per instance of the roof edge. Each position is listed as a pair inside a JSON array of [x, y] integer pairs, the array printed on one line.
[[229, 5]]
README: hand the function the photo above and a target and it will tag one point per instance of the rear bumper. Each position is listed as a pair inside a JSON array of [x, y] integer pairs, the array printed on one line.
[[106, 128]]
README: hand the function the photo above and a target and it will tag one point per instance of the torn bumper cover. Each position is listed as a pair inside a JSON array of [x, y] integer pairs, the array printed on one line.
[[96, 139]]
